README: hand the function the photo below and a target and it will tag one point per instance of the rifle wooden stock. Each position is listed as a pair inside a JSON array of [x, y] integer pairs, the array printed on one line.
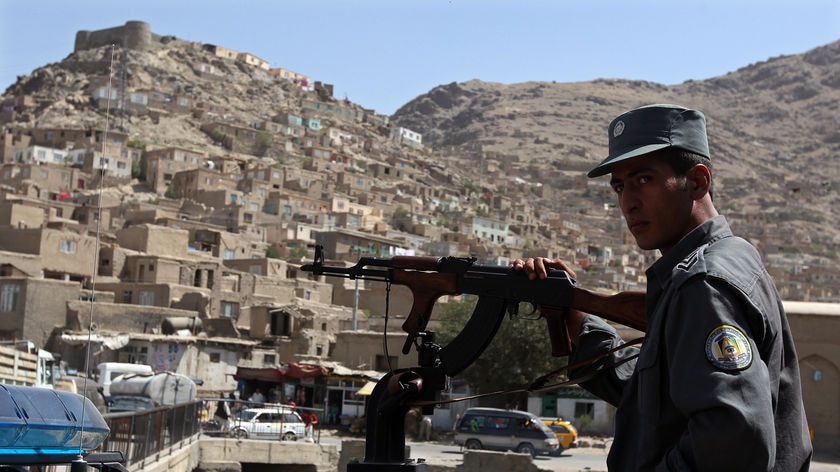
[[426, 288], [626, 308]]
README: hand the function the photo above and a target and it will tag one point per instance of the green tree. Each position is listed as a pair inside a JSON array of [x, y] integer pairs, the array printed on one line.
[[298, 251], [272, 252], [262, 143], [518, 354]]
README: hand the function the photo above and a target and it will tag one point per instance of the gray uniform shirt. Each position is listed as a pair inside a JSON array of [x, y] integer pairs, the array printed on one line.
[[716, 383]]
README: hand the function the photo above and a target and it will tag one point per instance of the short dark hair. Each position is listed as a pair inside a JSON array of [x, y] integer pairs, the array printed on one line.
[[681, 161]]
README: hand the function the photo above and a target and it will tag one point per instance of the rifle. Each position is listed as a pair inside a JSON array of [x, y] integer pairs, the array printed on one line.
[[500, 290]]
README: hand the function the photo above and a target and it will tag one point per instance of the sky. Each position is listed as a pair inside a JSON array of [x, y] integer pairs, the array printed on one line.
[[381, 54]]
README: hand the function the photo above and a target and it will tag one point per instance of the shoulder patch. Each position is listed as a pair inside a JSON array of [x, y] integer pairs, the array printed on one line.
[[689, 261], [727, 348]]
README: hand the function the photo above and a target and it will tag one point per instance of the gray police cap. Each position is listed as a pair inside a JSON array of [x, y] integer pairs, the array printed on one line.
[[651, 128]]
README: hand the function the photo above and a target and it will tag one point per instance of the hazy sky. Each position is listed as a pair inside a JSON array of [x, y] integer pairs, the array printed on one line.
[[383, 53]]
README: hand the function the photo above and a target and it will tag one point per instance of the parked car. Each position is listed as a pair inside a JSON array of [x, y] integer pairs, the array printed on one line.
[[278, 422], [566, 432], [503, 430]]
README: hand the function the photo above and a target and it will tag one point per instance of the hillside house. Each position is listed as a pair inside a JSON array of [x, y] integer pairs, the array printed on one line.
[[406, 137], [252, 60], [488, 229], [41, 155], [354, 184], [328, 109], [166, 282], [220, 51], [236, 138], [31, 307], [21, 214], [65, 253], [11, 107], [290, 76], [159, 166], [191, 182], [346, 244], [45, 182]]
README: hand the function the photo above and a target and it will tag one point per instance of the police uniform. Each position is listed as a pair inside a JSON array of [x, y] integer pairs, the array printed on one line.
[[716, 383]]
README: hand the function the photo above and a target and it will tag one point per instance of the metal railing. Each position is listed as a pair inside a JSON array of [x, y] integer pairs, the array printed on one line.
[[148, 435]]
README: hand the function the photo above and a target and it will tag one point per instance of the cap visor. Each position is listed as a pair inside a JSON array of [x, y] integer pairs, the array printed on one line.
[[605, 167]]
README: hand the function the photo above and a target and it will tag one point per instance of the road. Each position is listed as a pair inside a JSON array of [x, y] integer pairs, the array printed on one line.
[[572, 460], [450, 455]]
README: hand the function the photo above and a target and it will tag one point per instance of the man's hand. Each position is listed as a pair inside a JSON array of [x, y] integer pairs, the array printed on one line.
[[567, 321], [537, 267]]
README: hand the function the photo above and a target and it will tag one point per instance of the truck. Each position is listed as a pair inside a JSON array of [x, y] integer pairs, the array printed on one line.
[[30, 368], [106, 372], [133, 392]]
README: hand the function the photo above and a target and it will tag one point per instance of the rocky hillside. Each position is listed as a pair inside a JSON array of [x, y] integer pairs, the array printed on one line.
[[240, 93], [773, 125], [773, 129]]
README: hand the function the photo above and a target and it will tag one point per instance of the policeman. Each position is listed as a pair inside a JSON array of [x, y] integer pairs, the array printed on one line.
[[716, 383]]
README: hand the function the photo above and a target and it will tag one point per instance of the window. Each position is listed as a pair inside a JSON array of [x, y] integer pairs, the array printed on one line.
[[215, 357], [68, 247], [147, 298], [8, 297], [134, 355], [126, 296], [585, 409], [269, 359], [229, 309], [230, 253], [280, 323]]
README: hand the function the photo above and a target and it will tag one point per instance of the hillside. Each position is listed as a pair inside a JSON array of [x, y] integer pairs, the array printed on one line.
[[773, 129]]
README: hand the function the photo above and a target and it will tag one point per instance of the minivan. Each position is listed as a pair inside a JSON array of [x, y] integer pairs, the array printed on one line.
[[503, 430], [271, 422]]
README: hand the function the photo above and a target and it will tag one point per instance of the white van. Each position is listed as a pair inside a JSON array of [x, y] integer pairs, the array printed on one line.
[[108, 371]]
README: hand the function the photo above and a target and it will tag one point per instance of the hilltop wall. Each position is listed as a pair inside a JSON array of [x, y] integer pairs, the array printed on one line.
[[133, 35]]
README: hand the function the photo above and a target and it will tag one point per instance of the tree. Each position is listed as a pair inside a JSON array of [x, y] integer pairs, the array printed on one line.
[[518, 354], [272, 252]]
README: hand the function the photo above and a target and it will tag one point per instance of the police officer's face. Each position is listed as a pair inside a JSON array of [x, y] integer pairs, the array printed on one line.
[[655, 202]]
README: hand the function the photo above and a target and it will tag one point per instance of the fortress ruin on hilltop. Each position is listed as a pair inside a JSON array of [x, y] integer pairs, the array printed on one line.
[[133, 35]]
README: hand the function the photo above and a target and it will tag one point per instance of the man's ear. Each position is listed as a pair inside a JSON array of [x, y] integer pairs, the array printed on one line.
[[699, 180]]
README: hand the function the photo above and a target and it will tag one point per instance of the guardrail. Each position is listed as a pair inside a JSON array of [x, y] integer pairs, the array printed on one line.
[[146, 436]]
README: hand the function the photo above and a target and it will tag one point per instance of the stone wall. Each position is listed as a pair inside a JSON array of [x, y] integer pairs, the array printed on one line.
[[133, 35]]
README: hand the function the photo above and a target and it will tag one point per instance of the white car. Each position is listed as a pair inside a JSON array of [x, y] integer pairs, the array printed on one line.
[[279, 422]]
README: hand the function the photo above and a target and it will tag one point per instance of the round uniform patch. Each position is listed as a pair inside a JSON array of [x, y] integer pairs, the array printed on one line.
[[727, 348]]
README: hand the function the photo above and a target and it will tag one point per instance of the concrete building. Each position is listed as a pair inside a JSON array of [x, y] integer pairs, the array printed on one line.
[[32, 307]]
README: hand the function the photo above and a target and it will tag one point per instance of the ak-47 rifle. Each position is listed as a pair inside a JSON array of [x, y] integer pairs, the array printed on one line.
[[500, 290]]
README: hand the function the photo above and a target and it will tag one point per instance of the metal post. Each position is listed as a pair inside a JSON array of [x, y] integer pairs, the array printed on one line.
[[356, 305]]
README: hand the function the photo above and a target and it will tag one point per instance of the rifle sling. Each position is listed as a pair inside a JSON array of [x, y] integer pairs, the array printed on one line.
[[545, 382]]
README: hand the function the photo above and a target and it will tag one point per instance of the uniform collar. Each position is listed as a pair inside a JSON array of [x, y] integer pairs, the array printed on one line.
[[659, 274]]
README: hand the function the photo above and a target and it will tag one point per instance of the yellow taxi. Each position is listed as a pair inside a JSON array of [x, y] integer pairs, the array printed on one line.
[[564, 430]]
